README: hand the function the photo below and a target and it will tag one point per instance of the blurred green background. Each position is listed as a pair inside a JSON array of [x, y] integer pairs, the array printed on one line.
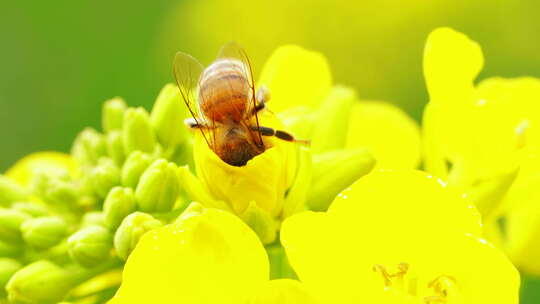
[[61, 59]]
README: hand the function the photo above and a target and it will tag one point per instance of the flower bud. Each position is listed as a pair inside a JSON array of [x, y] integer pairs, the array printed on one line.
[[10, 225], [120, 202], [60, 192], [90, 246], [41, 282], [10, 191], [261, 222], [105, 176], [8, 267], [158, 188], [333, 115], [133, 168], [88, 147], [94, 218], [131, 230], [33, 209], [113, 114], [168, 115], [335, 171], [137, 133], [115, 147], [10, 250], [44, 232]]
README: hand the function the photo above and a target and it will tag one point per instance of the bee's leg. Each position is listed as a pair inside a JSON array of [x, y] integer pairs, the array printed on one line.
[[194, 124], [265, 131]]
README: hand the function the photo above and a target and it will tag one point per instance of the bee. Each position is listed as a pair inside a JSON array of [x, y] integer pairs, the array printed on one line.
[[227, 107]]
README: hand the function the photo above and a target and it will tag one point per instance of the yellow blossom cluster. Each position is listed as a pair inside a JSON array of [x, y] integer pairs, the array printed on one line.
[[378, 209]]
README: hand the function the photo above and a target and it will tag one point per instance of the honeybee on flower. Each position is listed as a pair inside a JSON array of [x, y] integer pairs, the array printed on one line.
[[227, 107]]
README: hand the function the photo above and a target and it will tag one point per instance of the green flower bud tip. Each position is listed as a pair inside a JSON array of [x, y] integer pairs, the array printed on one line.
[[10, 225], [168, 115], [8, 267], [158, 188], [137, 133], [113, 114], [89, 146], [44, 232], [115, 147], [104, 177], [120, 202], [41, 282], [335, 171], [10, 191], [88, 202], [90, 246], [60, 192], [131, 230], [334, 112], [134, 167], [261, 222], [33, 209], [94, 218]]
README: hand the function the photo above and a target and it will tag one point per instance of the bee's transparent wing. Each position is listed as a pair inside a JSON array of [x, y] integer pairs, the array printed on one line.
[[187, 71], [233, 50]]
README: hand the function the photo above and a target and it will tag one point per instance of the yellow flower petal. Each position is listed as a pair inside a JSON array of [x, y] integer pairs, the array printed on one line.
[[283, 291], [295, 76], [264, 179], [479, 129], [49, 162], [316, 253], [207, 256], [388, 219], [410, 200], [390, 134], [451, 63]]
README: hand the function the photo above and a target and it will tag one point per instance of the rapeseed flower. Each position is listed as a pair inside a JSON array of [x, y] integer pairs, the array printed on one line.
[[416, 244], [342, 135], [120, 197], [489, 135], [410, 240], [205, 256]]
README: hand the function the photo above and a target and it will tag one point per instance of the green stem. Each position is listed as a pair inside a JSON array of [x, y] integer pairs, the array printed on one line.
[[279, 264]]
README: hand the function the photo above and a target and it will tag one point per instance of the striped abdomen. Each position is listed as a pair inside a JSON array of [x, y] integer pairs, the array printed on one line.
[[224, 91]]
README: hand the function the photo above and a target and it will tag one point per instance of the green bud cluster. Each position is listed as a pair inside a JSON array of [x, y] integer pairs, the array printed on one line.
[[44, 232], [60, 230]]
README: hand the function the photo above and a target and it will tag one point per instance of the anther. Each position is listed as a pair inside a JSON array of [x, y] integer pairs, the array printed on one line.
[[386, 276], [434, 299]]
